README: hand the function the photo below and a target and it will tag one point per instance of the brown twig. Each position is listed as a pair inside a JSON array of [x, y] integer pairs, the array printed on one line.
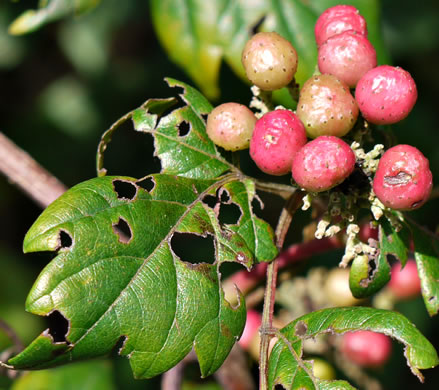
[[285, 219], [22, 170]]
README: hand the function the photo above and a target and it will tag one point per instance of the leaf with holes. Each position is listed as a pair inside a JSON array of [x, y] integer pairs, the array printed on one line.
[[393, 242], [117, 280], [49, 11], [286, 364], [427, 262], [180, 138]]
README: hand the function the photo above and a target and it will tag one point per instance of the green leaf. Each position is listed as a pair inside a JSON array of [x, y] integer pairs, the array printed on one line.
[[427, 261], [133, 287], [193, 154], [49, 11], [198, 34], [392, 242], [365, 280], [95, 375], [286, 366]]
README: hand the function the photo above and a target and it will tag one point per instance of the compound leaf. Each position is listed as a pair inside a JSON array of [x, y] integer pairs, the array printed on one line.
[[116, 279], [287, 368]]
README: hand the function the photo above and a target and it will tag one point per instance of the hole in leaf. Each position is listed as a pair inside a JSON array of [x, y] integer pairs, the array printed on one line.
[[210, 201], [279, 387], [58, 327], [123, 230], [229, 214], [301, 329], [125, 189], [184, 128], [120, 344], [204, 117], [65, 239], [193, 248], [147, 183], [223, 195]]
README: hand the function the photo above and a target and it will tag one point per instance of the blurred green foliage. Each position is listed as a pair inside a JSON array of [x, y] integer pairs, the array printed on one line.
[[62, 86]]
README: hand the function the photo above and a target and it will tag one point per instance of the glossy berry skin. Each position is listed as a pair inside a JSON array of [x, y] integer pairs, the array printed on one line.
[[366, 348], [347, 56], [230, 125], [277, 137], [403, 180], [337, 19], [405, 283], [386, 94], [269, 60], [323, 163], [326, 107], [251, 329]]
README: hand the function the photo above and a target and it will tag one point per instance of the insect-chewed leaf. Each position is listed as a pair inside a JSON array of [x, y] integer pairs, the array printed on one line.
[[116, 276], [286, 364], [180, 138]]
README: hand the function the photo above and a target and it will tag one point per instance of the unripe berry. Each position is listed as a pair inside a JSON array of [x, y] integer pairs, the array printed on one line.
[[403, 180], [270, 61], [405, 283], [277, 137], [386, 94], [337, 19], [336, 288], [348, 56], [323, 163], [326, 107], [230, 125], [366, 348]]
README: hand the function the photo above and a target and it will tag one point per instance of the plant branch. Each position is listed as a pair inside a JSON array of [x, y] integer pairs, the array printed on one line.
[[22, 170], [283, 190], [283, 225]]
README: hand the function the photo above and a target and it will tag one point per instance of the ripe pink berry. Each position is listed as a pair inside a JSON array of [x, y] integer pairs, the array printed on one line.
[[368, 231], [386, 94], [403, 180], [326, 107], [269, 60], [347, 56], [366, 348], [251, 329], [323, 163], [277, 137], [405, 283], [230, 125], [337, 19]]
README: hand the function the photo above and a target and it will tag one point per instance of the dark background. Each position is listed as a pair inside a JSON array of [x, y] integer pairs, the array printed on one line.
[[56, 101]]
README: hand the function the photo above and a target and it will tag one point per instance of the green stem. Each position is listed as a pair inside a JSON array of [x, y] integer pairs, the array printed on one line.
[[283, 225], [283, 190]]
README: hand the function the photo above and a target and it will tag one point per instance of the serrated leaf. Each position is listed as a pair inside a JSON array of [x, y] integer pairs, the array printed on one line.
[[49, 11], [365, 280], [427, 262], [134, 287], [286, 366], [95, 375], [193, 154]]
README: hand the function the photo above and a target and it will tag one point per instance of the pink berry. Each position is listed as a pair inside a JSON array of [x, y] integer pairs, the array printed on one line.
[[347, 56], [323, 163], [366, 348], [251, 329], [368, 231], [230, 125], [405, 283], [277, 137], [386, 94], [269, 60], [403, 180], [326, 106], [337, 19]]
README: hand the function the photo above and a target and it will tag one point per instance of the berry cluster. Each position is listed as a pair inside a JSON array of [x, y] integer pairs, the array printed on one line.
[[349, 91]]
